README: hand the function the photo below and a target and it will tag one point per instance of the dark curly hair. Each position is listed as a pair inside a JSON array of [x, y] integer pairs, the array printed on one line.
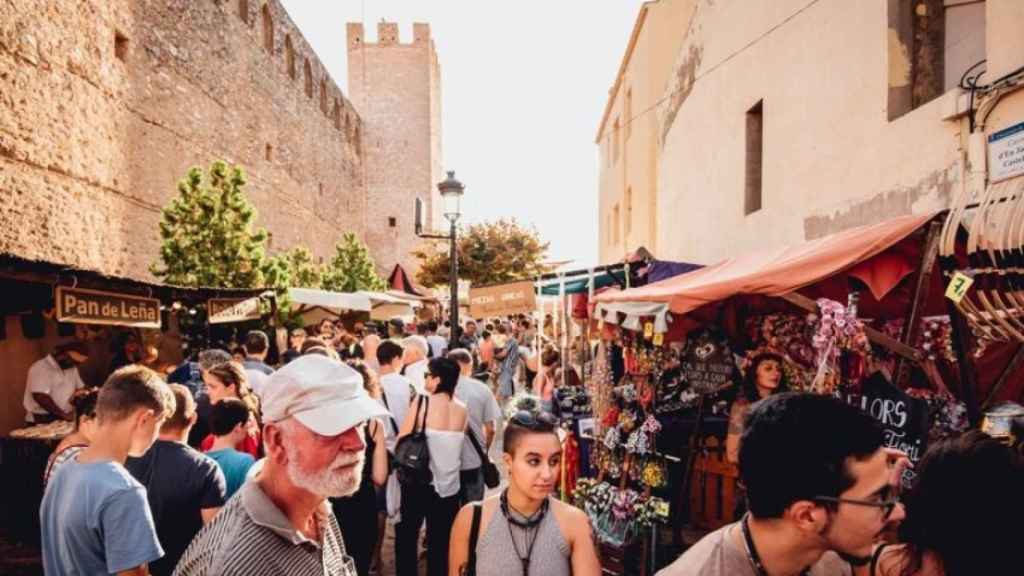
[[84, 403], [965, 488], [749, 386]]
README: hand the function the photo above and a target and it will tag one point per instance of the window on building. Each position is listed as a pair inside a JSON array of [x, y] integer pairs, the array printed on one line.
[[336, 115], [323, 95], [615, 225], [307, 73], [615, 141], [392, 221], [755, 153], [268, 153], [120, 45], [243, 10], [628, 127], [629, 211], [932, 43], [289, 56], [268, 29]]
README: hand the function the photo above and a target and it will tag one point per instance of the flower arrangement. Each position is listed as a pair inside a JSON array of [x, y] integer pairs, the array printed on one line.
[[654, 474], [947, 415], [838, 329], [617, 511]]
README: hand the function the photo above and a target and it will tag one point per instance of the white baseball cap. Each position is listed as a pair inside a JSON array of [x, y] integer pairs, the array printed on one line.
[[323, 394]]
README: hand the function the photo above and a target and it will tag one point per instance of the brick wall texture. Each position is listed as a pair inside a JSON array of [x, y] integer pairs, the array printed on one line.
[[106, 104]]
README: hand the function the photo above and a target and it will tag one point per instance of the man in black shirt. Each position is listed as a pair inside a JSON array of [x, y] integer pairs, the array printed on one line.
[[185, 489]]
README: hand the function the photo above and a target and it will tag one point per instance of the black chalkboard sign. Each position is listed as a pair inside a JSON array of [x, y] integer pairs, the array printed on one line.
[[904, 418], [707, 363]]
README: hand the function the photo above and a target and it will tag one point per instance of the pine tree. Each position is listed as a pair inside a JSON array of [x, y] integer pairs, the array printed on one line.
[[352, 268], [207, 233]]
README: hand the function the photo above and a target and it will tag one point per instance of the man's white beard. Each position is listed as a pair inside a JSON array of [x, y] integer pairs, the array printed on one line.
[[331, 482]]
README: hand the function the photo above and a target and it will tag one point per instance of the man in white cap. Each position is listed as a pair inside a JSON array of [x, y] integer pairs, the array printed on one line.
[[280, 522]]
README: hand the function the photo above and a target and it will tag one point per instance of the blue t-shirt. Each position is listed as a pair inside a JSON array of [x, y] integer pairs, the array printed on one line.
[[95, 520], [235, 466]]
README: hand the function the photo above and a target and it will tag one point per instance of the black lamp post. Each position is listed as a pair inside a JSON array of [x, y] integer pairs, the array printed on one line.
[[451, 194]]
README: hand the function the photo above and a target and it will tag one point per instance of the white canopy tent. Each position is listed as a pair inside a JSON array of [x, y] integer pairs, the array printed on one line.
[[314, 305]]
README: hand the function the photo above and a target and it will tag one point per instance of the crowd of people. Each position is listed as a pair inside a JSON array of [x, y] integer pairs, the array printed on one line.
[[231, 466]]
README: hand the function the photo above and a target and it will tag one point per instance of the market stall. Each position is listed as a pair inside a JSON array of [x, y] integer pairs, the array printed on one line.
[[861, 314], [116, 321]]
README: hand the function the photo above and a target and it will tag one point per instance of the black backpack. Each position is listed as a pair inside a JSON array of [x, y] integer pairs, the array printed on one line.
[[412, 455]]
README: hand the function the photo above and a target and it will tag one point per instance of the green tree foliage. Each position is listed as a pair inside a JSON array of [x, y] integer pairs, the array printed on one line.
[[208, 233], [352, 268], [488, 253]]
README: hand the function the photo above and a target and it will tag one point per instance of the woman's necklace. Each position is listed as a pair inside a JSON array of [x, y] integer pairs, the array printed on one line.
[[529, 527]]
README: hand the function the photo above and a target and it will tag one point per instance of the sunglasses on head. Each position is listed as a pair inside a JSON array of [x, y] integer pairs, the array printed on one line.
[[528, 418]]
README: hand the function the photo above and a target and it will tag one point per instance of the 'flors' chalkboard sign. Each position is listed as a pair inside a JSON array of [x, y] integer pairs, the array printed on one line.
[[904, 418], [707, 363]]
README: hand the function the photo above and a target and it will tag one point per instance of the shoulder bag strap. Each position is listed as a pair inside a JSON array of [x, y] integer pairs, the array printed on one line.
[[394, 425], [474, 535], [476, 446], [423, 422]]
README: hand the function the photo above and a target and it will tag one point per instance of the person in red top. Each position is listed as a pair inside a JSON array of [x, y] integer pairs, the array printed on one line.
[[228, 380]]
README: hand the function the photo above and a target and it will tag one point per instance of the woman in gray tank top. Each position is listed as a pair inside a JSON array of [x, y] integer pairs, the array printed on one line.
[[523, 531]]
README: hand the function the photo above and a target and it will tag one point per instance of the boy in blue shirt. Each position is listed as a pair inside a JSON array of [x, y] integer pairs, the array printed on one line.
[[95, 518], [228, 420]]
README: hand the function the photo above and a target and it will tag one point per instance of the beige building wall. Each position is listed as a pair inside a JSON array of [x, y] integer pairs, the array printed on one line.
[[849, 134], [627, 136], [396, 87]]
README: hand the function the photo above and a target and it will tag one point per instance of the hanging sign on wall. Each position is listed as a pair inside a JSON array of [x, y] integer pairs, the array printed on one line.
[[223, 310], [707, 363], [1006, 153], [904, 419], [502, 300], [82, 306]]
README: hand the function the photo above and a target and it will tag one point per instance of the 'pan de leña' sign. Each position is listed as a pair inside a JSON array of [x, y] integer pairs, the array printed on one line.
[[502, 300], [83, 306], [223, 310]]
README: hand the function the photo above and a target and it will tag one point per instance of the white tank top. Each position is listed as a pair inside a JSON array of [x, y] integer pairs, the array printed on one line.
[[445, 459]]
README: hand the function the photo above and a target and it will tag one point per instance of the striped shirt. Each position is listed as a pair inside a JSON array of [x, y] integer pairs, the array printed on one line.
[[251, 536]]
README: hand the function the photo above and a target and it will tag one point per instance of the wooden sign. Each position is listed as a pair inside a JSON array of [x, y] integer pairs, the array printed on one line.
[[502, 300], [109, 308], [224, 310], [903, 418], [707, 363]]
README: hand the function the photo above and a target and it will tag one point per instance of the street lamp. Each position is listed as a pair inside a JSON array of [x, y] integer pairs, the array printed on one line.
[[451, 196]]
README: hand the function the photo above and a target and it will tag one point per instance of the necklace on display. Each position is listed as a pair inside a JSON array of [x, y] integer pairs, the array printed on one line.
[[753, 556], [529, 525]]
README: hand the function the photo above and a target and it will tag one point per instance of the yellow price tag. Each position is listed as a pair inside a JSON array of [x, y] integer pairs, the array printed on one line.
[[958, 286], [648, 330], [659, 338]]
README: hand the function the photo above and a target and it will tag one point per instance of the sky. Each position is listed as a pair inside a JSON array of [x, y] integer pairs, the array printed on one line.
[[523, 86]]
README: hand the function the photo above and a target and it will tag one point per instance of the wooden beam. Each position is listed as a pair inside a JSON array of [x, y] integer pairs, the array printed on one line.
[[884, 340], [912, 323], [968, 376], [1011, 368]]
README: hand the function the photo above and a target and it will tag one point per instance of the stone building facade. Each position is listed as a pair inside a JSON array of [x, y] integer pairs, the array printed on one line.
[[787, 120], [105, 105], [396, 87]]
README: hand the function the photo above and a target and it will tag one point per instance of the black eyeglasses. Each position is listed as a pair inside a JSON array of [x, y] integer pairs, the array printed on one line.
[[529, 419], [887, 506]]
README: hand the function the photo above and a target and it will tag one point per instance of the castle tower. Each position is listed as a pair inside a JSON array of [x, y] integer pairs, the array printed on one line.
[[396, 89]]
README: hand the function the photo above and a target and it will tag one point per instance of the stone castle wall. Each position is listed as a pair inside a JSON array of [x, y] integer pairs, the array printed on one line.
[[105, 105], [396, 88]]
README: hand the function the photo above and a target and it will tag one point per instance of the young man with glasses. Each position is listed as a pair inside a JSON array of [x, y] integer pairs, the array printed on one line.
[[821, 488]]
